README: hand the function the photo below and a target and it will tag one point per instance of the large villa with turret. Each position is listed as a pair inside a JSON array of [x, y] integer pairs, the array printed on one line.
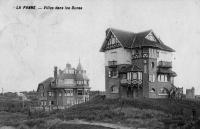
[[137, 64]]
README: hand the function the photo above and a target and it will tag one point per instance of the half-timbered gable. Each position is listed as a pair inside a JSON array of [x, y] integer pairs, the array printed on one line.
[[151, 37], [112, 43]]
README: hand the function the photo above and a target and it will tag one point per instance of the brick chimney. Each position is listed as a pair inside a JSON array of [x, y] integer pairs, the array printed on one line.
[[55, 72]]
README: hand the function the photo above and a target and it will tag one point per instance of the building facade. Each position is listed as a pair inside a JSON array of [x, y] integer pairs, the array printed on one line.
[[137, 64], [190, 93], [68, 87]]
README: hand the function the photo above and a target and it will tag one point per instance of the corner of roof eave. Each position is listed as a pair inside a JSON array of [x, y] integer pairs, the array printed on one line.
[[101, 49]]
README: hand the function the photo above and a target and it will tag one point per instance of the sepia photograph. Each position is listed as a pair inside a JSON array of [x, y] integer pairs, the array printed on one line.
[[99, 64]]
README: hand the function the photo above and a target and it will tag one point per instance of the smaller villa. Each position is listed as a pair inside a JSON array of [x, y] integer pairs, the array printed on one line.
[[66, 88]]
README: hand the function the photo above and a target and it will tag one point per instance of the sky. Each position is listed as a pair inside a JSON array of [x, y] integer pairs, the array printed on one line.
[[32, 42]]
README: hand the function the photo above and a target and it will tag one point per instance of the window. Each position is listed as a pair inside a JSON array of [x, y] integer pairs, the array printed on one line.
[[129, 76], [139, 75], [162, 78], [68, 92], [112, 72], [152, 65], [134, 75], [114, 89], [80, 92], [151, 77], [172, 80], [50, 94]]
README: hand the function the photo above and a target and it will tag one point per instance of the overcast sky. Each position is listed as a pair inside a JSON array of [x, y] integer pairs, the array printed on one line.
[[32, 42]]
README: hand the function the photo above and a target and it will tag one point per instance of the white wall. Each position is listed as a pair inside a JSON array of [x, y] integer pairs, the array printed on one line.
[[121, 55], [165, 56]]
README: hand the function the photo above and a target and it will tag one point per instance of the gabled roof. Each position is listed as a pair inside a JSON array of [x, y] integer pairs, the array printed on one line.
[[46, 83], [124, 37], [131, 40], [81, 77]]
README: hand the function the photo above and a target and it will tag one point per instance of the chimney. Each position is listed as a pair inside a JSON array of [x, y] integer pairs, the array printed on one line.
[[107, 31], [55, 72]]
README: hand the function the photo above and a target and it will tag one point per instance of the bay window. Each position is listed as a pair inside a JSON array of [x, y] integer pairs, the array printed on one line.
[[134, 76]]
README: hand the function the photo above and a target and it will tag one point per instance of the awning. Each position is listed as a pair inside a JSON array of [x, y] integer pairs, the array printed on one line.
[[166, 71]]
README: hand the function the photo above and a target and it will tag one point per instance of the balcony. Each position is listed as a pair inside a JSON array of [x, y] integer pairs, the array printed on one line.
[[133, 82], [165, 64], [112, 64]]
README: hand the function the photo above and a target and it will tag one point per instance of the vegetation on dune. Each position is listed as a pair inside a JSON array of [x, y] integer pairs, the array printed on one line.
[[137, 112], [151, 113]]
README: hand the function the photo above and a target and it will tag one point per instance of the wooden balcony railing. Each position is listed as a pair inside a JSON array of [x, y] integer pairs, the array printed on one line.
[[112, 64], [165, 64]]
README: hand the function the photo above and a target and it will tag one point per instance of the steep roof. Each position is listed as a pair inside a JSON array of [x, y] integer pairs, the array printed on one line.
[[46, 83], [135, 40], [125, 37], [81, 77]]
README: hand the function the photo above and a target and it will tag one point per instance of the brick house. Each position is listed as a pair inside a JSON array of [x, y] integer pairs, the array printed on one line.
[[68, 87], [137, 64]]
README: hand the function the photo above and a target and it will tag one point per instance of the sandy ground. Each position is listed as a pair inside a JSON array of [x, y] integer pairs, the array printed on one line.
[[7, 127], [114, 126]]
